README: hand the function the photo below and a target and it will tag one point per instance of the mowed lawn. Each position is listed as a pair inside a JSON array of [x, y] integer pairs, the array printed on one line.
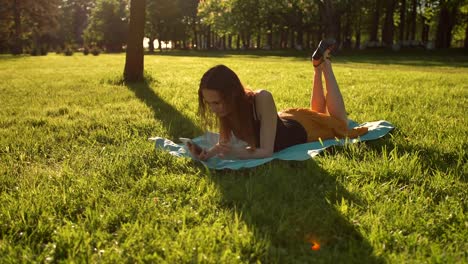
[[79, 181]]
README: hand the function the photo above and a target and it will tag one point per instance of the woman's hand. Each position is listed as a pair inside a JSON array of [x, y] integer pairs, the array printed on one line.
[[223, 149], [197, 152]]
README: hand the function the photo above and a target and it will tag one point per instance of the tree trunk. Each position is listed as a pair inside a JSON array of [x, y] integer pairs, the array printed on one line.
[[259, 39], [445, 26], [466, 37], [413, 21], [424, 30], [134, 60], [281, 39], [329, 18], [347, 32], [292, 39], [214, 40], [402, 21], [151, 44], [319, 35], [357, 29], [300, 31], [374, 31], [270, 35], [358, 39], [208, 37], [195, 35], [18, 42], [230, 42], [307, 44], [387, 31]]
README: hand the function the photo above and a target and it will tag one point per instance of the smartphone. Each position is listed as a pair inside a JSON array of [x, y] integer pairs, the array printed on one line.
[[189, 142], [185, 140]]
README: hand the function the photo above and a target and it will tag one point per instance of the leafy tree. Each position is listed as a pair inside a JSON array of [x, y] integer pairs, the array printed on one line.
[[28, 22], [245, 19], [217, 17], [447, 20], [272, 19], [6, 21], [170, 20], [464, 22], [164, 20], [108, 24], [189, 18], [74, 19], [388, 28]]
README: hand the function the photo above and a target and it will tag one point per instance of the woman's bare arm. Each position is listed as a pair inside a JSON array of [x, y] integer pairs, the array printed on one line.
[[267, 113]]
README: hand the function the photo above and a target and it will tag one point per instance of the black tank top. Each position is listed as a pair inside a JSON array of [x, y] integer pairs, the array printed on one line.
[[288, 132]]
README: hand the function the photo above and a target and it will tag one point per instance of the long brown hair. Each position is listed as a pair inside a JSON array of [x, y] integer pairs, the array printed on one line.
[[236, 98]]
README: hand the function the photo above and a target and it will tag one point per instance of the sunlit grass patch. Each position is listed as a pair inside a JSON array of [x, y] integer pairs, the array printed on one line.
[[80, 181]]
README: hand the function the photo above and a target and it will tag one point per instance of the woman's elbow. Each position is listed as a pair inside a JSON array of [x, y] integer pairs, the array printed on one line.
[[267, 153]]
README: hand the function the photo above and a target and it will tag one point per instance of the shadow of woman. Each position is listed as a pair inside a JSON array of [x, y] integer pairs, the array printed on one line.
[[176, 123], [293, 206]]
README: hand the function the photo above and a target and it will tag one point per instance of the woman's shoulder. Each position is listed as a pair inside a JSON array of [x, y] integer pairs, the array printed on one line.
[[264, 101], [262, 94]]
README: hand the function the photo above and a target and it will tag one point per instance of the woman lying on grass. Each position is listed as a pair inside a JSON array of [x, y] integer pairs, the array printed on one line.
[[252, 116]]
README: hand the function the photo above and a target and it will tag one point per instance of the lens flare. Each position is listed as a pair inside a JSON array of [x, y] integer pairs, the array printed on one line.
[[315, 245]]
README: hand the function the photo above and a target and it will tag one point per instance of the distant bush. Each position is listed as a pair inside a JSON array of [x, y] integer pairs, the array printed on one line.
[[68, 51], [95, 51], [34, 51], [86, 50], [44, 50], [39, 50]]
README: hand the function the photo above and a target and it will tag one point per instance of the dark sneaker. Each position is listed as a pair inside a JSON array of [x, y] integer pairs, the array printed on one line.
[[322, 47]]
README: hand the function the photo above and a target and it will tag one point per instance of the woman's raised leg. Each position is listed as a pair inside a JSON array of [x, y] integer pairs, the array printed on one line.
[[334, 99], [317, 100]]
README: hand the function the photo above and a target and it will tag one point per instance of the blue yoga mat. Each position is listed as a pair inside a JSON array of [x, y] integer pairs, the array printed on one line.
[[377, 129]]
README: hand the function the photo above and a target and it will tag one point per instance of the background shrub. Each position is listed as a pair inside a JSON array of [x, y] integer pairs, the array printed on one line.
[[68, 51], [95, 51]]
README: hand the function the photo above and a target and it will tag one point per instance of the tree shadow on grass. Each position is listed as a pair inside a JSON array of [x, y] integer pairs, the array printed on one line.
[[291, 205], [176, 124], [9, 57], [453, 58], [230, 53]]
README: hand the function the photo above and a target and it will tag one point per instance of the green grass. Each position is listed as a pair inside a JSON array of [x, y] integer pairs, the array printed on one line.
[[80, 182]]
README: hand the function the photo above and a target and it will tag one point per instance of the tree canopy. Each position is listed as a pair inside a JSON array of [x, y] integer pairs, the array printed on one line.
[[27, 25]]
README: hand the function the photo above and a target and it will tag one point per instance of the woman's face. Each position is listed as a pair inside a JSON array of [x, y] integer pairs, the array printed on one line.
[[215, 102]]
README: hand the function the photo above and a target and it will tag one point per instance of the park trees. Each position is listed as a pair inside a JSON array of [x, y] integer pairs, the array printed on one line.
[[447, 20], [42, 24], [108, 24], [215, 18], [73, 20], [164, 21], [28, 23], [172, 21], [190, 20]]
